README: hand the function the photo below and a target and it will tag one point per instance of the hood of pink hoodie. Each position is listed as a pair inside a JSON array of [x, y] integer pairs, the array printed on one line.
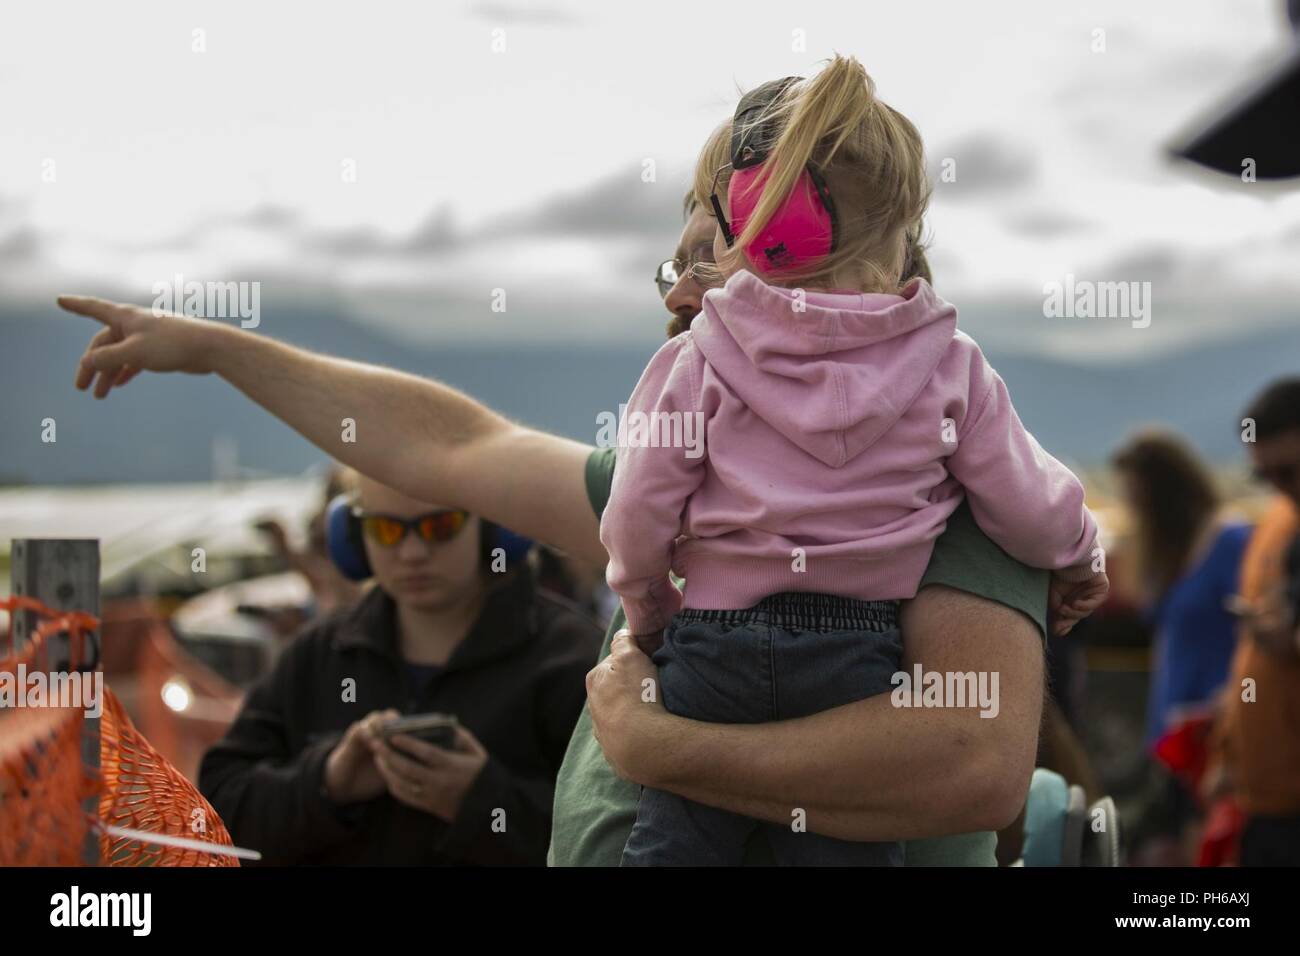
[[834, 377]]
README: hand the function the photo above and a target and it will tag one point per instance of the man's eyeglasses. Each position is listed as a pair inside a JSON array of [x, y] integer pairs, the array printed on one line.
[[672, 271], [435, 526]]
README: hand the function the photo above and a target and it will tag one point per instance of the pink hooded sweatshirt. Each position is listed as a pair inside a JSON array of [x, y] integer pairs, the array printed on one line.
[[838, 434]]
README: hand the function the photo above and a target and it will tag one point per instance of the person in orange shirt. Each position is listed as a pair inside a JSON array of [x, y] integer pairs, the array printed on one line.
[[1259, 735]]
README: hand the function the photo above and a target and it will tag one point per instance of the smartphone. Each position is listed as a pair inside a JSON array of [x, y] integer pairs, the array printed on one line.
[[436, 729]]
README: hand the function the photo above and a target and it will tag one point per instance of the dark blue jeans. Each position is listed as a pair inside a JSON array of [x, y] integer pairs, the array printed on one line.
[[789, 656]]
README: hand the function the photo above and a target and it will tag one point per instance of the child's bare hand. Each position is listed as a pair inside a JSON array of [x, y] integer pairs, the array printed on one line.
[[649, 643], [1074, 594]]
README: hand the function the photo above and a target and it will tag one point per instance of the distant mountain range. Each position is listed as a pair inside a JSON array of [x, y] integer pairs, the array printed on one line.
[[162, 428]]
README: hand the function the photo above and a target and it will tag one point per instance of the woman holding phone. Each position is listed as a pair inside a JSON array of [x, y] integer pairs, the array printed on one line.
[[453, 625]]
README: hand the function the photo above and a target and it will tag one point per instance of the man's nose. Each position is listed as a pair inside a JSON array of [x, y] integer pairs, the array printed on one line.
[[685, 298]]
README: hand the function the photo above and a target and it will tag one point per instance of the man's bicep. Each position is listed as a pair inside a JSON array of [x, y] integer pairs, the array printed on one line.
[[534, 484]]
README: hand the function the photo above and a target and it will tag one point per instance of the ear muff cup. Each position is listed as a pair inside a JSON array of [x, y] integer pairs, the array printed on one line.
[[803, 228], [515, 546], [343, 539]]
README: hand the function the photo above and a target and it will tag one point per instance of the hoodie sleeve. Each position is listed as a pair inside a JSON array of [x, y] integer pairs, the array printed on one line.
[[652, 484], [1021, 497]]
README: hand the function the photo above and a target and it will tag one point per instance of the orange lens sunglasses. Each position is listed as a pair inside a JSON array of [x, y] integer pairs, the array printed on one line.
[[435, 526]]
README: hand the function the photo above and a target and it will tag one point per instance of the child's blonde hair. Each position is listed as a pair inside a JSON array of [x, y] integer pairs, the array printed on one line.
[[873, 162]]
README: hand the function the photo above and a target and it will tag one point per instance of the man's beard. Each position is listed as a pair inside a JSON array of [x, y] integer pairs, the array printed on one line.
[[677, 325]]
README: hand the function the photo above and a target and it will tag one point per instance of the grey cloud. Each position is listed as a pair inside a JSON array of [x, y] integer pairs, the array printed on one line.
[[1153, 264], [1048, 223], [350, 242], [617, 205], [266, 218], [436, 232], [270, 216], [984, 163], [23, 244]]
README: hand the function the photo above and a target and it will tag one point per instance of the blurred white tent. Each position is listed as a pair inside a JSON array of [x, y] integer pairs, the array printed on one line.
[[142, 523]]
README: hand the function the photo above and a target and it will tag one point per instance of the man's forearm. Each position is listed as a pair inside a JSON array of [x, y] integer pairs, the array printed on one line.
[[872, 771], [815, 765], [423, 438]]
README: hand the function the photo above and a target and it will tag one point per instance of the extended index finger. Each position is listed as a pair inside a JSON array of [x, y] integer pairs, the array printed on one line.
[[92, 307]]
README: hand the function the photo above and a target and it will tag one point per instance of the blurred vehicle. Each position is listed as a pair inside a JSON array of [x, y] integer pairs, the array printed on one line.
[[237, 629]]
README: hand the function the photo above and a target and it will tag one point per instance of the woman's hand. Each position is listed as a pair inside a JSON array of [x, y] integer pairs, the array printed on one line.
[[627, 712], [427, 777], [350, 772], [134, 339]]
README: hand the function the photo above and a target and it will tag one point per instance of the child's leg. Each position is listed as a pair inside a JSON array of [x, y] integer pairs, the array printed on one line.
[[673, 831], [819, 670], [718, 671], [816, 669]]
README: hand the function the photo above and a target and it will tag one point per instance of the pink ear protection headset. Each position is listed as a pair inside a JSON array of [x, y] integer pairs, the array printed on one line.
[[804, 228]]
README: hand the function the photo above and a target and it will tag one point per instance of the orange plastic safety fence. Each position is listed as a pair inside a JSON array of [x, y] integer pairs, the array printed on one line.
[[43, 781], [42, 785], [143, 791]]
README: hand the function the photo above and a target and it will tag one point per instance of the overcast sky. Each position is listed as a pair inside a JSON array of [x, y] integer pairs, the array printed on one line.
[[127, 155]]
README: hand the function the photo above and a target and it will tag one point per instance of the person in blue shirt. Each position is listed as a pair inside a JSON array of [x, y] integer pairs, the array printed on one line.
[[1189, 558]]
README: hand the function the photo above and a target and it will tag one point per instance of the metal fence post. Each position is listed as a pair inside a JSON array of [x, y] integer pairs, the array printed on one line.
[[63, 574]]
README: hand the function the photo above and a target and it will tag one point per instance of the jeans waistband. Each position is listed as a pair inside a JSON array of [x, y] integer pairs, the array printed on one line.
[[802, 611]]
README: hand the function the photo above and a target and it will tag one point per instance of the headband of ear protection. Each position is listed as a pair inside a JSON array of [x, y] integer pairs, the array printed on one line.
[[343, 538], [804, 227]]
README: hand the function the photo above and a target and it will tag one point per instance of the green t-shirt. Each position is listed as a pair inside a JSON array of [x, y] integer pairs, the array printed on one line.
[[595, 808]]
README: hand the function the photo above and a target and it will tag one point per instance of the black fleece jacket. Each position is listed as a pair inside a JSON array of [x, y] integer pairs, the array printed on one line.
[[516, 681]]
